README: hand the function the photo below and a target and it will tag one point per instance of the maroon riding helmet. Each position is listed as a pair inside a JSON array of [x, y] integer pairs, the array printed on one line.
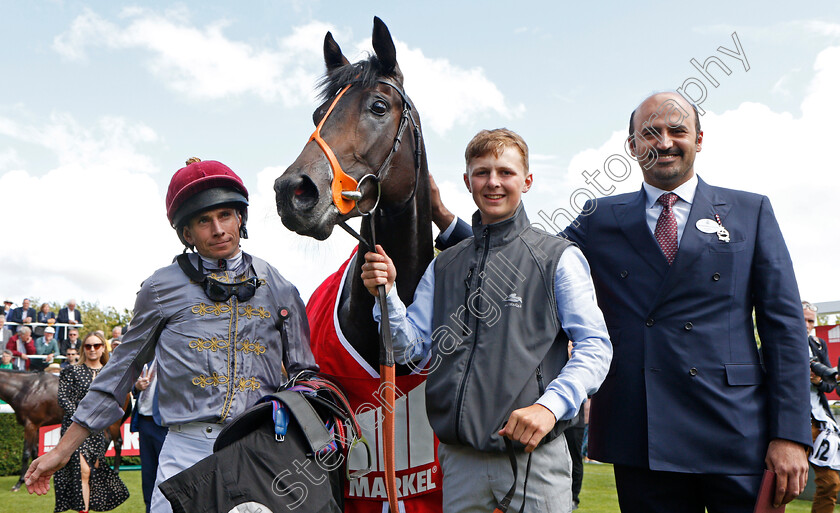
[[200, 186]]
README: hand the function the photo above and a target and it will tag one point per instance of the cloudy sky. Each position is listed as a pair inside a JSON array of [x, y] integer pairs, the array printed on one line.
[[100, 102]]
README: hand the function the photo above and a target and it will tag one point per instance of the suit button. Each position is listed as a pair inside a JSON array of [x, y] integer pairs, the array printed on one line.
[[649, 323], [716, 276], [624, 273], [692, 372], [688, 326]]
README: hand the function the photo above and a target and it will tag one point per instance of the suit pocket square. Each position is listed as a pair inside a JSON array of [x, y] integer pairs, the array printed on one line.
[[728, 247], [744, 374]]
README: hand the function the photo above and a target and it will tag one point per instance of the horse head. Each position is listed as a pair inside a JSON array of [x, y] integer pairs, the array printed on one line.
[[366, 127]]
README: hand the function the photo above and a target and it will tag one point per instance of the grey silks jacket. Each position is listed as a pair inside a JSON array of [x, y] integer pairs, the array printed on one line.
[[214, 360], [496, 331]]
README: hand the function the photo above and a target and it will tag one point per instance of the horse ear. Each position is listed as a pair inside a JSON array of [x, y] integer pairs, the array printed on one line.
[[332, 53], [383, 45]]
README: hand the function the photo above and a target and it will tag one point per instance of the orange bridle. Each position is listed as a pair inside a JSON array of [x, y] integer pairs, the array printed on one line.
[[342, 183]]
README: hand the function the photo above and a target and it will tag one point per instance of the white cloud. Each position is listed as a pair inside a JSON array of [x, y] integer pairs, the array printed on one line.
[[787, 158], [9, 159], [823, 27], [89, 226], [201, 62], [98, 218], [451, 95], [204, 64]]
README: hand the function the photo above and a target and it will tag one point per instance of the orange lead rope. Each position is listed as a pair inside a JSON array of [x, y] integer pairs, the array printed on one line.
[[387, 377], [387, 391], [341, 181]]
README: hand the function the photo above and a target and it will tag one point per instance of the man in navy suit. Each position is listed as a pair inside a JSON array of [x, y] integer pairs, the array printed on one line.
[[68, 315], [22, 314], [692, 411]]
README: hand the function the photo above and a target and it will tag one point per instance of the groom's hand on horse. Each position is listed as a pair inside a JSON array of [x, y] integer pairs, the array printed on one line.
[[441, 215], [378, 269], [529, 425]]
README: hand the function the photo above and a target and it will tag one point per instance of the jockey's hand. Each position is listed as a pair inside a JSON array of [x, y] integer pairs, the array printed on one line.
[[789, 461], [378, 269], [38, 475], [41, 470], [529, 425]]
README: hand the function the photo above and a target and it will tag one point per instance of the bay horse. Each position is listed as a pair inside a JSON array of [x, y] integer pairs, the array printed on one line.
[[361, 132], [34, 397], [368, 130]]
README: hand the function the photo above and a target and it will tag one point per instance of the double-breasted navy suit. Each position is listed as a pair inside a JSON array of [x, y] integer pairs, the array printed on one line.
[[19, 314], [689, 390]]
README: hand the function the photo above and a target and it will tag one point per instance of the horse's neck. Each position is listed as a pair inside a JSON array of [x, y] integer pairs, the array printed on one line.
[[407, 239], [10, 386]]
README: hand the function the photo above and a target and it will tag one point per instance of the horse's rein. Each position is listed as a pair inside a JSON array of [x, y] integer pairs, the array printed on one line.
[[344, 188]]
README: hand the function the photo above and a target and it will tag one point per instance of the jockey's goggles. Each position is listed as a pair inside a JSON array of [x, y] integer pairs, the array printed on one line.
[[218, 291]]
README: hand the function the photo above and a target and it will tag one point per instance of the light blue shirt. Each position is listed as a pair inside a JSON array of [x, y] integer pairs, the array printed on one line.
[[681, 208], [577, 311]]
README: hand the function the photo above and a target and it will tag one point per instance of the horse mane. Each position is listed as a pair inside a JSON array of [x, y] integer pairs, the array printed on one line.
[[364, 73]]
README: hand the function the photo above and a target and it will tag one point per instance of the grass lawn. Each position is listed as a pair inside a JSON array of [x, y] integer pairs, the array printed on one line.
[[597, 495], [598, 492], [22, 502]]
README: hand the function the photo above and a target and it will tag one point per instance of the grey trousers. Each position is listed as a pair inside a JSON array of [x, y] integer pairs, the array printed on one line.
[[183, 447], [475, 481]]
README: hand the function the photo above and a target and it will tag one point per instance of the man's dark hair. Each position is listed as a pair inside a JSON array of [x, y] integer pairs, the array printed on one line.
[[696, 122]]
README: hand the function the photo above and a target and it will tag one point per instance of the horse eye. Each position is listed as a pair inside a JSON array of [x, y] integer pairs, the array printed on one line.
[[379, 107], [317, 115]]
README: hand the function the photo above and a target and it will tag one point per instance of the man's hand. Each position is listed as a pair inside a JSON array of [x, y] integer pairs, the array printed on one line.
[[441, 216], [38, 475], [815, 380], [41, 470], [529, 425], [789, 461], [142, 383], [378, 269]]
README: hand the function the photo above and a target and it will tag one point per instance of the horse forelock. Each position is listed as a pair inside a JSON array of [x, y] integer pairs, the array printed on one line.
[[364, 73]]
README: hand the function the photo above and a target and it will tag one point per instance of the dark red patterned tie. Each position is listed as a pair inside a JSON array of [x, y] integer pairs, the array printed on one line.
[[666, 226]]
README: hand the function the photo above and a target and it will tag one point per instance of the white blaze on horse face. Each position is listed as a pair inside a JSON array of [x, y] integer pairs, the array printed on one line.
[[497, 184]]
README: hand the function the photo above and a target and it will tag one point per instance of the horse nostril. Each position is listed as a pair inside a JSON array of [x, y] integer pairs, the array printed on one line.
[[305, 193]]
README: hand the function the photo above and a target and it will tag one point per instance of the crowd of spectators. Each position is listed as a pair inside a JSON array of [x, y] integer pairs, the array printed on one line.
[[38, 340]]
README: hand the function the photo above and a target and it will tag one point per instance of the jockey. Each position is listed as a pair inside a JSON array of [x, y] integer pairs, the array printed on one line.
[[210, 319]]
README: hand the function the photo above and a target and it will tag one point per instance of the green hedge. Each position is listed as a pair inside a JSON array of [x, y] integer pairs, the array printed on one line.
[[11, 447], [11, 444]]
